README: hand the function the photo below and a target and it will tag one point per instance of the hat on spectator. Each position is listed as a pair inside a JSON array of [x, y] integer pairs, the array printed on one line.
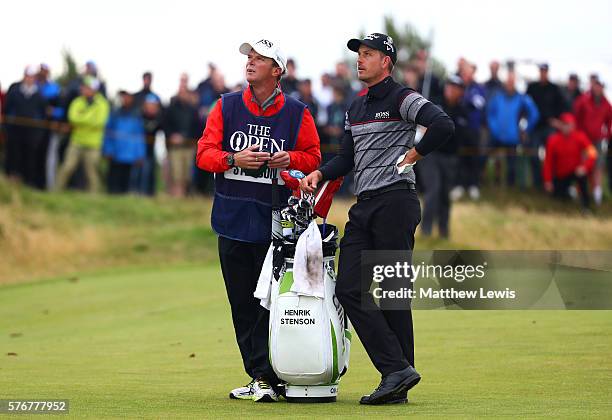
[[456, 81], [568, 118], [31, 70], [151, 98], [543, 66], [595, 79], [267, 49], [377, 41], [91, 82]]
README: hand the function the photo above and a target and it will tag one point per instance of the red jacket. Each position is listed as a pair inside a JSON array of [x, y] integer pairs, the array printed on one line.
[[593, 119], [305, 157], [565, 153]]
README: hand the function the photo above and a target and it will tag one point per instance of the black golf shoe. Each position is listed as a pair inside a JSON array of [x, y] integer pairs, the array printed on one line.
[[393, 388]]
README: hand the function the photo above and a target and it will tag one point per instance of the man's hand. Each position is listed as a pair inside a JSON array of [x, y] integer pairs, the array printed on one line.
[[176, 139], [555, 123], [548, 186], [410, 158], [279, 160], [309, 183], [580, 171], [250, 159]]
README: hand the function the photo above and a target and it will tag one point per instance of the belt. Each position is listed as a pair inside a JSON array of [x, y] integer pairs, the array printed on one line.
[[366, 195]]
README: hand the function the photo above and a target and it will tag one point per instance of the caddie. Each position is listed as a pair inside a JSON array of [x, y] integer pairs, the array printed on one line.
[[250, 136]]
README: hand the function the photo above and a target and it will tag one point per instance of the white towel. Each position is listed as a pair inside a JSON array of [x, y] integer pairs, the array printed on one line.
[[308, 263], [264, 284]]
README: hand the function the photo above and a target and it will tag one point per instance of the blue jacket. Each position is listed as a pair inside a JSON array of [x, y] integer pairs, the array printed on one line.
[[475, 102], [505, 111], [124, 138], [51, 91]]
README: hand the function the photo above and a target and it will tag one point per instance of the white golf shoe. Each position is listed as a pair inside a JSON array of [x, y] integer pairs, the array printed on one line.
[[263, 392], [243, 393]]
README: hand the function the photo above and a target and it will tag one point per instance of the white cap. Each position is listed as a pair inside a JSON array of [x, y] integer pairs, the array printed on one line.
[[267, 49], [31, 70], [92, 83]]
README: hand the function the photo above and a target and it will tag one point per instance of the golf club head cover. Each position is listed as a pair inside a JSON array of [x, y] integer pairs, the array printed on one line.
[[324, 196], [292, 180]]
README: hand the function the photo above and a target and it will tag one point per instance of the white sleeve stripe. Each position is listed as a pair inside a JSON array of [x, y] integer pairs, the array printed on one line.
[[411, 105], [347, 124]]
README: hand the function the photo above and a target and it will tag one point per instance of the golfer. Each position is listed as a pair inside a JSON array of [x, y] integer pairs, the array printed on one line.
[[379, 129], [250, 136]]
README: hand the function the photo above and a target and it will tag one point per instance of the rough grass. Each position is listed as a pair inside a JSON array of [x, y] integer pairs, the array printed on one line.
[[509, 219], [159, 344], [44, 235]]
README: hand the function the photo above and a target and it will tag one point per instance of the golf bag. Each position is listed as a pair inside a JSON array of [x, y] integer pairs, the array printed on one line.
[[309, 335]]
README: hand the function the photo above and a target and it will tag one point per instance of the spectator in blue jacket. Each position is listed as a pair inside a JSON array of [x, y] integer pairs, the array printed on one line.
[[504, 113], [124, 144], [145, 179], [47, 160]]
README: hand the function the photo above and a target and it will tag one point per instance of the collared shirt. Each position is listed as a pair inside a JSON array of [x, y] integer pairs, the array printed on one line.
[[268, 102], [382, 126]]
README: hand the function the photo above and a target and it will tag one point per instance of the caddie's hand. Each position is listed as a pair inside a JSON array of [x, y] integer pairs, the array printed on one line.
[[249, 158], [310, 182], [411, 158], [548, 186], [279, 160], [176, 139]]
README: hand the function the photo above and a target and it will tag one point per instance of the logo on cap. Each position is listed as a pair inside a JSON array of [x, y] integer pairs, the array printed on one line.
[[371, 37], [389, 44], [265, 42]]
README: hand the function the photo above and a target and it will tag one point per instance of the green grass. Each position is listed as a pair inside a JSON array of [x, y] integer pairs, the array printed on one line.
[[118, 345]]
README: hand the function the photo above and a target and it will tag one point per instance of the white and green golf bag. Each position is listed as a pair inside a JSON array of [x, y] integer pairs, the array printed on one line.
[[309, 336]]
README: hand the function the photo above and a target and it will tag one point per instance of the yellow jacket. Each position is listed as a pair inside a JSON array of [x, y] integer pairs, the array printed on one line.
[[88, 121]]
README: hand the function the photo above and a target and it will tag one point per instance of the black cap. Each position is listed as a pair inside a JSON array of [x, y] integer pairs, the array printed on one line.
[[455, 80], [377, 41], [543, 66]]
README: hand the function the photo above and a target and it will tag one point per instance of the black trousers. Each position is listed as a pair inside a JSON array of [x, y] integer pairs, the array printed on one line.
[[385, 222], [119, 177], [241, 264], [562, 186], [470, 161], [438, 170], [609, 159], [24, 148]]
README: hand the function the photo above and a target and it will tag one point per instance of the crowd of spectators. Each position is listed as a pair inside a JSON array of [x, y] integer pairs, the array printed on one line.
[[551, 138]]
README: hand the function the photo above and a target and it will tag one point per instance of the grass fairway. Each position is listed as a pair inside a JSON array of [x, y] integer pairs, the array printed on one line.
[[121, 344]]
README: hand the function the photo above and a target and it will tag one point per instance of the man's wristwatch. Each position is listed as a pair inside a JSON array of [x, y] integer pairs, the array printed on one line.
[[230, 160]]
